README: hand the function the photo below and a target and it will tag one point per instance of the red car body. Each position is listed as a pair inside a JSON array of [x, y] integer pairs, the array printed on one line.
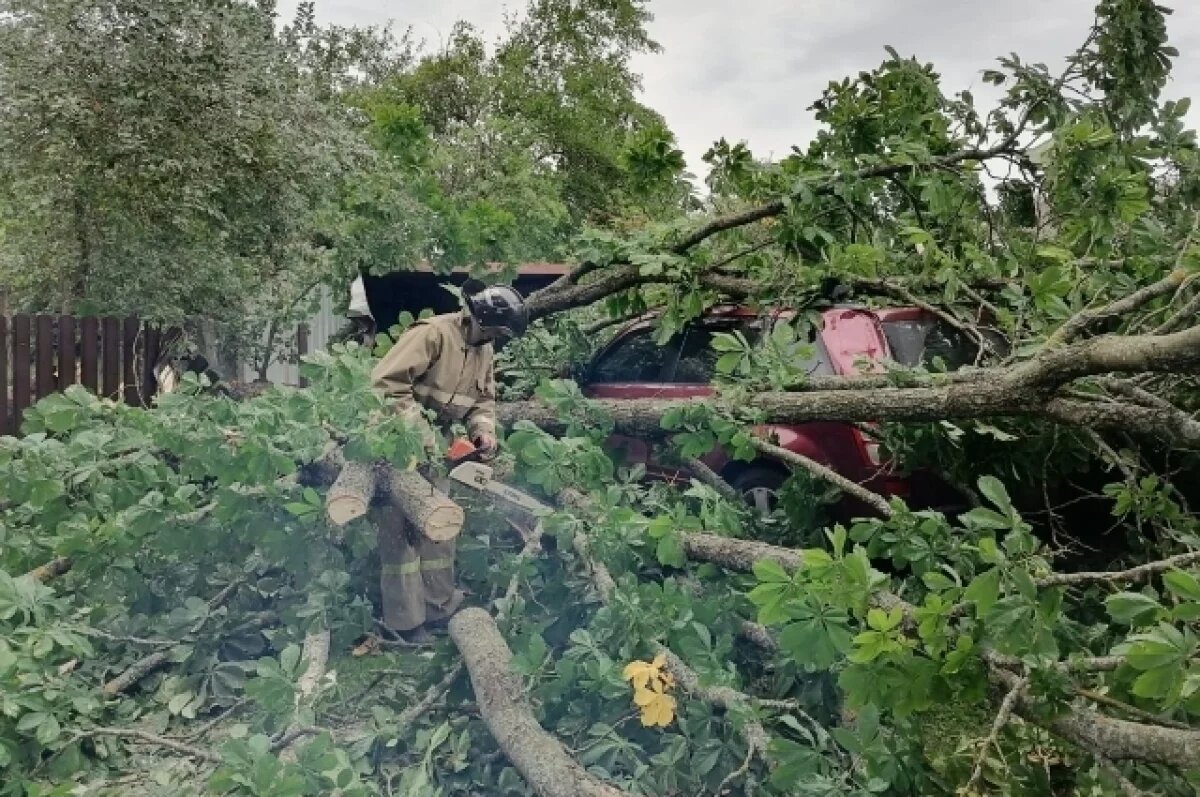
[[632, 367]]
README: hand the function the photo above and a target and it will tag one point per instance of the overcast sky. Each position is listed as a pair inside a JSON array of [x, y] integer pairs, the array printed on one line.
[[748, 69]]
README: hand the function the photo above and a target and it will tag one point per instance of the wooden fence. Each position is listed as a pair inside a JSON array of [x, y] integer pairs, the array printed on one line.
[[39, 355]]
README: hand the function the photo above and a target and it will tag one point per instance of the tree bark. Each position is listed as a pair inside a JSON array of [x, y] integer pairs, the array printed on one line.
[[136, 672], [707, 475], [1118, 740], [739, 555], [1028, 389], [349, 496], [540, 758], [429, 510], [51, 570]]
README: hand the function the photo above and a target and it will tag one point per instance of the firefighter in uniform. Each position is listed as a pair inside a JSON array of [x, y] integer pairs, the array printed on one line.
[[443, 364]]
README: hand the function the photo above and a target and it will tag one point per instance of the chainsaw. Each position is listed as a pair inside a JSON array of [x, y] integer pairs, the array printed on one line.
[[467, 468]]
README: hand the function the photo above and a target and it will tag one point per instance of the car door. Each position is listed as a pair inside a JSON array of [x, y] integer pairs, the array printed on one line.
[[632, 366], [691, 373]]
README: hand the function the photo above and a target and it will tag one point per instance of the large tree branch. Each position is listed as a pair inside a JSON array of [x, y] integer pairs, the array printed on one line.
[[871, 499], [569, 291], [1023, 390], [1175, 428], [1082, 321], [1133, 574], [539, 757], [1115, 739]]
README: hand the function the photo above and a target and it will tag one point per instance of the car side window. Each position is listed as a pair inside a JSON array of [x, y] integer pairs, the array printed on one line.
[[635, 358], [906, 340], [697, 363], [914, 343], [697, 359]]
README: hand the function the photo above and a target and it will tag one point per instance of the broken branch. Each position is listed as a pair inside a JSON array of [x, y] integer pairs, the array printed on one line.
[[539, 757]]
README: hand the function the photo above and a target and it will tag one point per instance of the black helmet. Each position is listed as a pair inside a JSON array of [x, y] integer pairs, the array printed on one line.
[[499, 307]]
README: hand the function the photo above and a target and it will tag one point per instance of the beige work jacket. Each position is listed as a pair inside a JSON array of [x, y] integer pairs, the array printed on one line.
[[434, 365]]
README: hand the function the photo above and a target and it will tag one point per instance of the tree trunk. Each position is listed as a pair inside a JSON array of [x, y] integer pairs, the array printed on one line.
[[429, 510], [539, 757]]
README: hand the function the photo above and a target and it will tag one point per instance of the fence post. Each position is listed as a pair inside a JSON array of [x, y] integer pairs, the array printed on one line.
[[20, 368], [89, 361], [110, 373], [301, 351], [4, 427], [46, 381], [67, 374]]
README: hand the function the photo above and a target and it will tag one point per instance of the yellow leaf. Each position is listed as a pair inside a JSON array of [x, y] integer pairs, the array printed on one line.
[[642, 697], [657, 708], [639, 673]]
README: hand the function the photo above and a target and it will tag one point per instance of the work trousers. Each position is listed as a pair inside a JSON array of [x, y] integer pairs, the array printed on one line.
[[416, 575]]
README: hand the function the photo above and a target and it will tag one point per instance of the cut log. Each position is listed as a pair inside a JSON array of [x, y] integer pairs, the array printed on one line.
[[539, 757], [51, 570], [349, 497], [316, 653], [429, 510]]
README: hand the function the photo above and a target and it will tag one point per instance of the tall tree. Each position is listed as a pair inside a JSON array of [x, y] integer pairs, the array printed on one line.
[[163, 157], [513, 149]]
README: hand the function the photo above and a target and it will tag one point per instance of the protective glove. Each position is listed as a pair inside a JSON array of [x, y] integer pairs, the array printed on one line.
[[487, 445]]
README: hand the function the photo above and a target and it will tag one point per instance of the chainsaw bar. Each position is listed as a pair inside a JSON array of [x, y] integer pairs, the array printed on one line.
[[478, 476]]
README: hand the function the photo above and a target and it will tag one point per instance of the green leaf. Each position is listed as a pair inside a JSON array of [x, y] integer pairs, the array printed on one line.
[[177, 702], [1055, 253], [49, 731], [936, 581], [983, 591], [989, 552], [981, 517], [1183, 585], [728, 363], [1162, 647], [670, 551], [725, 342], [289, 660], [993, 489], [660, 526], [1024, 583], [31, 720], [44, 491], [1132, 608], [1158, 683], [767, 570], [885, 621]]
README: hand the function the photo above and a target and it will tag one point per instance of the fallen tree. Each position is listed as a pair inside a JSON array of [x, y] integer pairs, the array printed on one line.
[[540, 758], [976, 653], [1044, 386]]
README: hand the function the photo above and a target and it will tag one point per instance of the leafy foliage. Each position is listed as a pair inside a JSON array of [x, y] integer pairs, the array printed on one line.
[[922, 652]]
